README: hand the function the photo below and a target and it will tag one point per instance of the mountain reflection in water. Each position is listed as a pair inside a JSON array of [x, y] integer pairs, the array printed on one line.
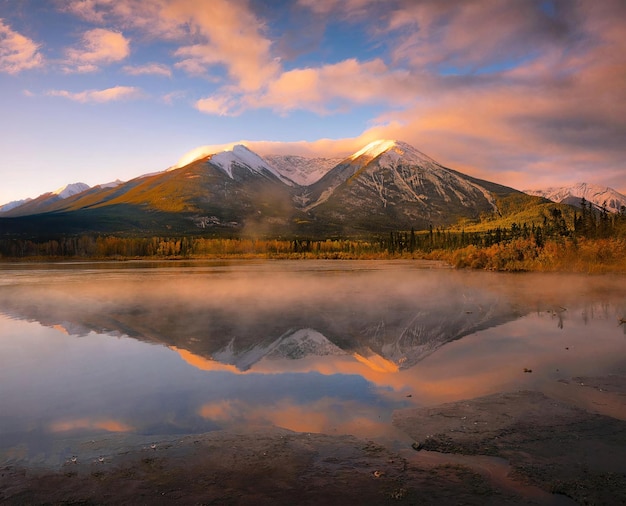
[[310, 346]]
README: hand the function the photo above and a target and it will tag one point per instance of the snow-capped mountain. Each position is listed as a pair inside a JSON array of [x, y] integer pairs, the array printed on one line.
[[241, 157], [44, 201], [392, 182], [572, 195], [388, 185], [70, 189], [12, 205], [111, 184], [300, 169]]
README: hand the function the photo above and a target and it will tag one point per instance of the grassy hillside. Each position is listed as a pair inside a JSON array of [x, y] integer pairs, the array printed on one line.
[[518, 208]]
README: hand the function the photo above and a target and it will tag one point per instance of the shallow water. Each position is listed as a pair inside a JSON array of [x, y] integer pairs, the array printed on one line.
[[157, 349]]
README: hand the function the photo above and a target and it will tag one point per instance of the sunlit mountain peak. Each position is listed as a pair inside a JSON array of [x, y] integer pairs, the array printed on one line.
[[375, 148], [70, 189]]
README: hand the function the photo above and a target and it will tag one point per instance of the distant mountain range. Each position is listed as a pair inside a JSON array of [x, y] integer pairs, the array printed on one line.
[[599, 196], [387, 185]]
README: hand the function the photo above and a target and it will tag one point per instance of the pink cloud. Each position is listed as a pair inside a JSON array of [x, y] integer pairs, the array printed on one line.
[[232, 36], [517, 93], [216, 33], [325, 88], [156, 69], [326, 7], [98, 47], [100, 96], [17, 52], [220, 105]]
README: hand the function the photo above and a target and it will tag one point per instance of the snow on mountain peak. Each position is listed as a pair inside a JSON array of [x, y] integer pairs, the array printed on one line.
[[390, 151], [112, 184], [242, 156], [13, 204], [375, 148], [598, 195], [70, 189], [301, 169]]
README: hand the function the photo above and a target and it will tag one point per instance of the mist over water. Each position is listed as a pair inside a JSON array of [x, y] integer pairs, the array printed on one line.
[[155, 349]]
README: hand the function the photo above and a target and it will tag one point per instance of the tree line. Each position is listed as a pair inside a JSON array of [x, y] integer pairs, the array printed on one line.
[[590, 222]]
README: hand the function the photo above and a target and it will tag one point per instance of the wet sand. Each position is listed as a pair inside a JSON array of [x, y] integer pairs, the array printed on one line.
[[509, 448]]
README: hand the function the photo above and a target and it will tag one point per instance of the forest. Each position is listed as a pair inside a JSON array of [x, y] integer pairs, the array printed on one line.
[[593, 240]]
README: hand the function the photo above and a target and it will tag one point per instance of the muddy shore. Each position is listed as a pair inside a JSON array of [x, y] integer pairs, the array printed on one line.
[[510, 448]]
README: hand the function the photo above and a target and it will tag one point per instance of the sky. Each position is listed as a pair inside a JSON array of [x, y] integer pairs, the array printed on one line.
[[526, 93]]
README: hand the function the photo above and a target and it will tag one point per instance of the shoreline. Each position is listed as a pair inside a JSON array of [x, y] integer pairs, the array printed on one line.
[[514, 447]]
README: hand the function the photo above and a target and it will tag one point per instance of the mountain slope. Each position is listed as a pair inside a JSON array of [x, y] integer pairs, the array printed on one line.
[[44, 201], [229, 192], [300, 169], [572, 195], [389, 185], [386, 186]]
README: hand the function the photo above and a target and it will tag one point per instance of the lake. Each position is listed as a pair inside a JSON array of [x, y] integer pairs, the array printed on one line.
[[143, 350]]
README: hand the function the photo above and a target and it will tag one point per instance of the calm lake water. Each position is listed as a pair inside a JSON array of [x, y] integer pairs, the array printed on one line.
[[149, 350]]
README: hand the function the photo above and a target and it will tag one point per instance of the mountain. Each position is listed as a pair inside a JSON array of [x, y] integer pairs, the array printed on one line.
[[386, 186], [44, 201], [229, 192], [13, 204], [572, 195], [300, 169], [70, 189], [391, 185]]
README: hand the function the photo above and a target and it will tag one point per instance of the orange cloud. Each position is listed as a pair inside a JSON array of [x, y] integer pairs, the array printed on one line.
[[331, 87], [99, 47], [220, 105], [231, 35], [17, 52], [100, 96]]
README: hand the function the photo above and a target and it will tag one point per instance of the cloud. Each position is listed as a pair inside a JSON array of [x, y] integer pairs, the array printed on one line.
[[323, 90], [220, 105], [170, 98], [525, 93], [157, 69], [17, 52], [473, 35], [232, 36], [213, 35], [99, 96], [99, 47], [352, 8], [331, 87]]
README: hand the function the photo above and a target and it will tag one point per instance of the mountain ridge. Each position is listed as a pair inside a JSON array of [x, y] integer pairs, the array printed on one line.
[[573, 194], [385, 186]]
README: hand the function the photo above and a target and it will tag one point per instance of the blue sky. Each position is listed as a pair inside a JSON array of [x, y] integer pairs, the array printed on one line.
[[526, 93]]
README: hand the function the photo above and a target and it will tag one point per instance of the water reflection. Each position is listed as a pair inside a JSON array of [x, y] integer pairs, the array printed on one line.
[[310, 346]]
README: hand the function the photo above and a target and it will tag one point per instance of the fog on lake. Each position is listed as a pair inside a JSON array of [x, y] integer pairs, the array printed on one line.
[[151, 349]]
